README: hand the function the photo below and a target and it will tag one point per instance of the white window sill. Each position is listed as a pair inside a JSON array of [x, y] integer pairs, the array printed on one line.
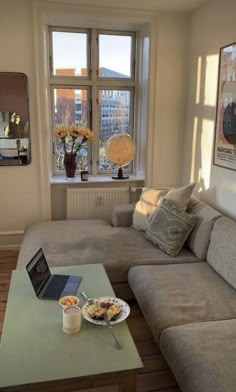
[[95, 180]]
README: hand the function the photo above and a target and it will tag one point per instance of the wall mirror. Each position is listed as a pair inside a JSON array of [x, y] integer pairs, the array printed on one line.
[[14, 120]]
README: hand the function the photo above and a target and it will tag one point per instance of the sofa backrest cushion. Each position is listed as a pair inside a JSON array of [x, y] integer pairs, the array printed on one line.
[[199, 239], [222, 250]]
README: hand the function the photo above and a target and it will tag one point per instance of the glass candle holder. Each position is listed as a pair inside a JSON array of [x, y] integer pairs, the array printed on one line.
[[84, 175]]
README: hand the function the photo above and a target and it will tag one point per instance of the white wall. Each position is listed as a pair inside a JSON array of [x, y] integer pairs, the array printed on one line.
[[212, 27], [19, 186], [170, 92]]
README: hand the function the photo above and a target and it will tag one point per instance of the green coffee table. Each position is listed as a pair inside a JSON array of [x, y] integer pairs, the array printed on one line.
[[36, 355]]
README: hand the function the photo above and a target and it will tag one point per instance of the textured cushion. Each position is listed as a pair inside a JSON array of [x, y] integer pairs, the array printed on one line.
[[122, 215], [75, 242], [222, 250], [202, 356], [199, 238], [180, 196], [147, 204], [169, 227], [171, 295]]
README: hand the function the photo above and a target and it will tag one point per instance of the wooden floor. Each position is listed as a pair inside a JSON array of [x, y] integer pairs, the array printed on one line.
[[155, 376]]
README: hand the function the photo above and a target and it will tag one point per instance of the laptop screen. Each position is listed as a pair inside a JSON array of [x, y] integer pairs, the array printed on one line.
[[38, 271]]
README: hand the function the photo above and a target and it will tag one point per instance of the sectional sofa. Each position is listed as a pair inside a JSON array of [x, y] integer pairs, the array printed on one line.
[[189, 301]]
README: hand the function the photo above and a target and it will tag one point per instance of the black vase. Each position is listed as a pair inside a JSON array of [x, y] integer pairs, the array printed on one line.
[[70, 164]]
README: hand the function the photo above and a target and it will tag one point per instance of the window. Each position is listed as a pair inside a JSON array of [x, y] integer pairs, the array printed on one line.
[[92, 83]]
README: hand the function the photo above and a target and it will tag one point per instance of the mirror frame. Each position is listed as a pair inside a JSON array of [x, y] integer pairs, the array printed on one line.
[[15, 141]]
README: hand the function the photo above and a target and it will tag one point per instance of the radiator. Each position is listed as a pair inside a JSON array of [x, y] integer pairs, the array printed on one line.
[[94, 203]]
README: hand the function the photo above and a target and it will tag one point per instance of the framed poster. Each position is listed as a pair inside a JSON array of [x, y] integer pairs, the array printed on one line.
[[225, 125]]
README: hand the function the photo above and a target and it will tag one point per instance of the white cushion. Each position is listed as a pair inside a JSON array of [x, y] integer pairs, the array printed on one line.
[[149, 201], [151, 198], [181, 196]]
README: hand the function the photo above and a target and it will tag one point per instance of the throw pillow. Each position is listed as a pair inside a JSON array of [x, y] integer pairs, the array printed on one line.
[[180, 196], [149, 200], [169, 227]]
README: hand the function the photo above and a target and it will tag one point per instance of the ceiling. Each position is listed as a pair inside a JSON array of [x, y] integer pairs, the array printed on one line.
[[155, 5]]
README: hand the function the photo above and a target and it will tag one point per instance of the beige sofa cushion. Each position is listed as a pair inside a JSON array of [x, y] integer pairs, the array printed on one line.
[[199, 238], [171, 295], [202, 356], [222, 250]]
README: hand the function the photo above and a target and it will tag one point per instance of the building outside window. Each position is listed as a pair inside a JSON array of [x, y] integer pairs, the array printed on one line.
[[92, 81]]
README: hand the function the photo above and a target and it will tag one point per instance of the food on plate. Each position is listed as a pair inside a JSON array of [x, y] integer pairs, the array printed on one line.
[[69, 300], [113, 311], [97, 310]]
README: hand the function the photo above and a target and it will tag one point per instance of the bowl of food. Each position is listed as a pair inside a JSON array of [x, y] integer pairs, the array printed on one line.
[[69, 300]]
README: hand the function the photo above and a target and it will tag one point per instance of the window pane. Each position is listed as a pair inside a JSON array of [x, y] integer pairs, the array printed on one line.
[[114, 118], [115, 56], [69, 51], [70, 107]]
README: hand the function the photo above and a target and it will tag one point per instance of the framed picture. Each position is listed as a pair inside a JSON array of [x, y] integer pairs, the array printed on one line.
[[225, 125]]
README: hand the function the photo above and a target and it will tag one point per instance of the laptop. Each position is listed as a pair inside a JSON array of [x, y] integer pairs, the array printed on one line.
[[46, 285]]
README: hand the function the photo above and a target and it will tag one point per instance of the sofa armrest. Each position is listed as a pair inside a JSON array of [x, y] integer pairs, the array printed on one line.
[[122, 215]]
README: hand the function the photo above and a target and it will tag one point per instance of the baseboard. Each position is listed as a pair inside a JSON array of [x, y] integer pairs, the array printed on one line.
[[11, 240]]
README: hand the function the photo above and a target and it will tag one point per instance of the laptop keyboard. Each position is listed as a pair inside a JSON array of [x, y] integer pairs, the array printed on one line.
[[56, 285]]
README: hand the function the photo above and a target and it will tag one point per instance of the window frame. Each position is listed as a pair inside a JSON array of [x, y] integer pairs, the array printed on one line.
[[131, 165], [132, 54], [57, 172], [51, 29], [93, 83]]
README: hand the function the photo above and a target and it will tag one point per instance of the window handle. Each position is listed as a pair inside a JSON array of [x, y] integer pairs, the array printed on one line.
[[50, 64]]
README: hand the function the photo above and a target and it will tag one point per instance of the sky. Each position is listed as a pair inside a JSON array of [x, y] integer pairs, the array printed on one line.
[[114, 51]]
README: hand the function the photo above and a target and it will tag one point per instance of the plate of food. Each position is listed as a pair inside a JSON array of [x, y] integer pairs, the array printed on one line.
[[94, 309]]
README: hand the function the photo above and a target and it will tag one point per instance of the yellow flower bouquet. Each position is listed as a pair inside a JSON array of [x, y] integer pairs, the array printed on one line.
[[71, 138]]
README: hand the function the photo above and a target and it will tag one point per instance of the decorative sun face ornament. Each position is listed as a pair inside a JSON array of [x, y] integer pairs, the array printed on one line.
[[120, 150]]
